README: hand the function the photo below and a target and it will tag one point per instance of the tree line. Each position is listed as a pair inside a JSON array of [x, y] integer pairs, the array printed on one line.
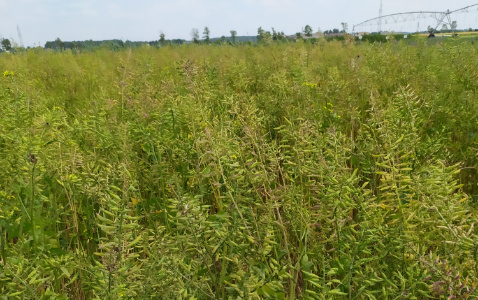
[[263, 36]]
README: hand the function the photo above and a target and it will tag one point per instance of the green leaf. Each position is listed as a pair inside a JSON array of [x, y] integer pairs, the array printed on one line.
[[65, 271], [336, 292]]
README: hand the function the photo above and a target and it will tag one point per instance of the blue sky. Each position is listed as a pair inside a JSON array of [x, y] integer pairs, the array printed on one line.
[[143, 20]]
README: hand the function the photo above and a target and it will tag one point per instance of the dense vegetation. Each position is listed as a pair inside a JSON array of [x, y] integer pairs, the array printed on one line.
[[327, 171]]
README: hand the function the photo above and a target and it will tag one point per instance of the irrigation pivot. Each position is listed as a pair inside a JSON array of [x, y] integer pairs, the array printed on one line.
[[440, 17]]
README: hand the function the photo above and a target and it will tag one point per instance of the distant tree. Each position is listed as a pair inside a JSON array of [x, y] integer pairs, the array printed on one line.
[[233, 36], [206, 33], [277, 35], [453, 25], [430, 29], [298, 35], [307, 30], [274, 35], [6, 45], [335, 30], [59, 43], [178, 41], [264, 36], [76, 45], [345, 27], [223, 39], [444, 27], [162, 38], [195, 35], [260, 33]]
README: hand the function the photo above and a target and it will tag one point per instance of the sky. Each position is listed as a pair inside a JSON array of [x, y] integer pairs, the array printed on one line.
[[143, 20]]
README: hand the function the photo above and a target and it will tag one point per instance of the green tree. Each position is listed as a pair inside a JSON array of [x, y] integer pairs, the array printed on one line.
[[195, 35], [162, 39], [260, 33], [444, 27], [430, 30], [277, 36], [206, 33], [233, 36], [453, 25], [59, 43], [263, 36], [6, 45], [307, 30]]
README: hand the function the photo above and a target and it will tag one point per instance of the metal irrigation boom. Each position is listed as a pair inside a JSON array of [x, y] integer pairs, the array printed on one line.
[[439, 16]]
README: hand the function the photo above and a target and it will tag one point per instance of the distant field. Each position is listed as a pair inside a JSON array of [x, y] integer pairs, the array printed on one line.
[[468, 33], [460, 33], [282, 171]]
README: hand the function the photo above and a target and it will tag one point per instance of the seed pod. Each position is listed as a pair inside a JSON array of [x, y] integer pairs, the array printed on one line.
[[32, 158]]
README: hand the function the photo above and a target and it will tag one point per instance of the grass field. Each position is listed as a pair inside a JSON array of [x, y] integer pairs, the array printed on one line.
[[449, 34], [286, 171]]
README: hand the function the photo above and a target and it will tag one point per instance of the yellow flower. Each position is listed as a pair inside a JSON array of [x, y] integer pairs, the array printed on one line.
[[312, 85], [8, 74], [135, 201], [234, 156]]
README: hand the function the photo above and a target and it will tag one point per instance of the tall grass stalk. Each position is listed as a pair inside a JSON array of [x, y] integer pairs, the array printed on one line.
[[334, 170]]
